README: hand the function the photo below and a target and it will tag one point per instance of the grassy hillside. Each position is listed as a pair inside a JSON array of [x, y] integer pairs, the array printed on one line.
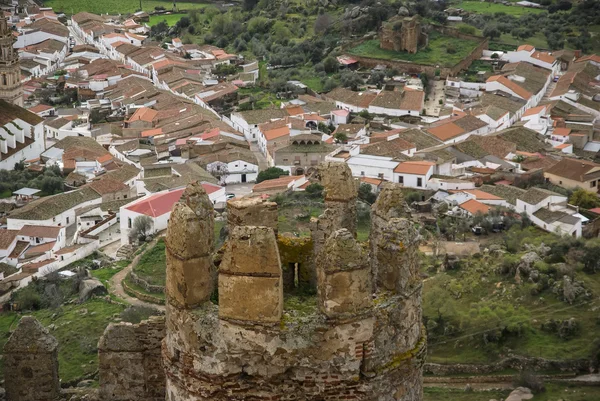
[[490, 304], [118, 6]]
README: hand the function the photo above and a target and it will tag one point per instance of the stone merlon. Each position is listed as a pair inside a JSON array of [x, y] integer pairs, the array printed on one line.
[[189, 243]]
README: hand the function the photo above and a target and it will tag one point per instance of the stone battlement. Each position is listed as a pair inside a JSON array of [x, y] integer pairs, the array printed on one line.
[[361, 339]]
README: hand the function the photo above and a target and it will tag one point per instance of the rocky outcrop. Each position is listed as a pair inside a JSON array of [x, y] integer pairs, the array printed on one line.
[[89, 287], [31, 363]]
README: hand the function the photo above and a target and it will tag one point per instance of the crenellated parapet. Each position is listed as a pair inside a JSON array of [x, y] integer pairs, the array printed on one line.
[[360, 337]]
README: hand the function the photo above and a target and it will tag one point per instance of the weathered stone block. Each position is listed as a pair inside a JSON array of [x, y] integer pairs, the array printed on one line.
[[130, 361], [251, 212], [338, 181], [396, 256], [253, 299], [31, 363], [344, 277], [346, 292], [251, 250], [189, 282], [187, 235]]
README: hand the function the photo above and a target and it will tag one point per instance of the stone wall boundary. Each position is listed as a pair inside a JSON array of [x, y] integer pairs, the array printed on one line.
[[157, 289], [517, 362], [429, 69], [139, 295]]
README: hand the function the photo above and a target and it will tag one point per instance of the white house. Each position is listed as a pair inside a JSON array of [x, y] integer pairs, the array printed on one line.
[[538, 119], [413, 174], [21, 133], [530, 55], [234, 171], [548, 210], [398, 103], [158, 207], [340, 117], [57, 210], [372, 166]]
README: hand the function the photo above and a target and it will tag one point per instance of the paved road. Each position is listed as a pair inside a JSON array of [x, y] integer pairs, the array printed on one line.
[[116, 285]]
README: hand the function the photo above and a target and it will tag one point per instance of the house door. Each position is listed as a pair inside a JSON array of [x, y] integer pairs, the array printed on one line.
[[243, 177]]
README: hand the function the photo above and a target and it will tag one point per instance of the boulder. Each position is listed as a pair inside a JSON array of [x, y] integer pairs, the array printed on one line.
[[403, 11], [520, 394], [90, 286]]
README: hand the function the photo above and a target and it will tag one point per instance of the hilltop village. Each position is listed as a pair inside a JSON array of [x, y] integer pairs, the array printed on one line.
[[121, 139]]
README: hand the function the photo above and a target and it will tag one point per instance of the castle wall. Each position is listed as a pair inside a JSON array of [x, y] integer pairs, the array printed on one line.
[[130, 361], [31, 363], [343, 345]]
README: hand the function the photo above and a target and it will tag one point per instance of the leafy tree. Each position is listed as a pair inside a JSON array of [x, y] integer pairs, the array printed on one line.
[[491, 31], [20, 166], [330, 85], [376, 78], [340, 137], [142, 225], [350, 79], [365, 193], [270, 174], [365, 114], [315, 190], [584, 199], [330, 64], [323, 23], [466, 29]]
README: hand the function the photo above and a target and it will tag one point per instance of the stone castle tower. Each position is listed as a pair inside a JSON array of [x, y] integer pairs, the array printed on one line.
[[11, 88], [403, 34], [360, 337]]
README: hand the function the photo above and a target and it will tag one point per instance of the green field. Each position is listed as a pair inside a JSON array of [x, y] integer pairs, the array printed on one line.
[[553, 392], [170, 19], [437, 52], [117, 6], [152, 264], [78, 329], [492, 8]]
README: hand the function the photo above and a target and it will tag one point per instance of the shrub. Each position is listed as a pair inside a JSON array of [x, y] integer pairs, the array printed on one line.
[[529, 380], [270, 174]]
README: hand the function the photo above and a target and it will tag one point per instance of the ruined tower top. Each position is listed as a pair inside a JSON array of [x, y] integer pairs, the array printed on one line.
[[31, 363], [338, 181], [31, 337], [344, 326], [390, 203]]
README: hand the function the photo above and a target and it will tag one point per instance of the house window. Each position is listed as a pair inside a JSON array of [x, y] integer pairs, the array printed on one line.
[[593, 184], [419, 182], [380, 175], [401, 179], [362, 173], [67, 220], [129, 222]]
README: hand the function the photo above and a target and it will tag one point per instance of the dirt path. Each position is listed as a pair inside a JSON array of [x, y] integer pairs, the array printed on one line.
[[116, 283]]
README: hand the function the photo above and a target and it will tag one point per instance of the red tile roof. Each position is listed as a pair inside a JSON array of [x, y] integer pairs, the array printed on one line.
[[520, 91], [157, 204], [276, 183], [7, 237], [410, 167], [161, 203], [561, 131], [39, 249], [526, 48], [276, 133], [474, 207], [144, 114], [40, 108], [40, 231], [535, 110]]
